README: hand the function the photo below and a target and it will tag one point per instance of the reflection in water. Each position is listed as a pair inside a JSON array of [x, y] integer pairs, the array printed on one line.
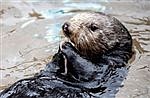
[[27, 23], [35, 14], [138, 47], [86, 6], [32, 30], [53, 33], [55, 13]]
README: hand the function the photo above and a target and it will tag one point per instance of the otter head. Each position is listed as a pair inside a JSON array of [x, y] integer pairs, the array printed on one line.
[[94, 33]]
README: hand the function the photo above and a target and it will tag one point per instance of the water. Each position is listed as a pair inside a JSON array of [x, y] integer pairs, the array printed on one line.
[[30, 35]]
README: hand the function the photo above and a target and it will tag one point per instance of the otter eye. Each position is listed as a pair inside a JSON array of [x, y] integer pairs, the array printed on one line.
[[93, 27]]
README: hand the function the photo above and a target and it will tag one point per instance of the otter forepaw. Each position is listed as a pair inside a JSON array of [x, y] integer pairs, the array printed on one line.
[[67, 45], [68, 50]]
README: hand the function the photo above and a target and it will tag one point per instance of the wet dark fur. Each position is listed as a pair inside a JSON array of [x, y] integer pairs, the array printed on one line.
[[87, 76]]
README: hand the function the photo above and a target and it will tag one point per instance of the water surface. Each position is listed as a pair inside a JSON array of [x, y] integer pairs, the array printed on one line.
[[30, 35]]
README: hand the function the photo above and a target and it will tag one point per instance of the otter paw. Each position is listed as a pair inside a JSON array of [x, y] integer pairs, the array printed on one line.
[[66, 45], [68, 50]]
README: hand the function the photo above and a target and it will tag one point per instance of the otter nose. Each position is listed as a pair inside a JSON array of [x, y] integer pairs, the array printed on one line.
[[65, 28]]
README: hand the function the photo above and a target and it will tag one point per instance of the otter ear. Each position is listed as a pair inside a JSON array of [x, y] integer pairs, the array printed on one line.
[[93, 27]]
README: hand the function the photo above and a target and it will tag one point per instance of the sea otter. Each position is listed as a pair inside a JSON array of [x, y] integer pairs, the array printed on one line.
[[91, 64]]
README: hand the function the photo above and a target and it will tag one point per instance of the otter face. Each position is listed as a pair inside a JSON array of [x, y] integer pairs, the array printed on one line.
[[95, 33]]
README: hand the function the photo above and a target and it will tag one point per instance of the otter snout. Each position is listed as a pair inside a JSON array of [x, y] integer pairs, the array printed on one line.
[[65, 29]]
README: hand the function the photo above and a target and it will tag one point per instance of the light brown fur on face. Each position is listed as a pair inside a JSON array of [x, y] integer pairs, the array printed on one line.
[[96, 33]]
